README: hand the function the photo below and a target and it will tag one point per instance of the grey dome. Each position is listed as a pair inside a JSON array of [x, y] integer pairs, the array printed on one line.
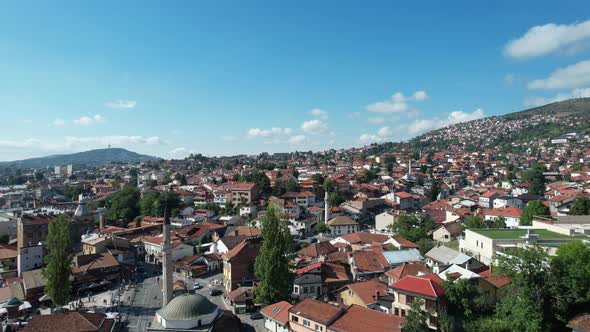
[[187, 307]]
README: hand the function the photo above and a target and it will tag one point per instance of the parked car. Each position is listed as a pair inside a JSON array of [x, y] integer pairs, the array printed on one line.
[[215, 292], [256, 316], [197, 286]]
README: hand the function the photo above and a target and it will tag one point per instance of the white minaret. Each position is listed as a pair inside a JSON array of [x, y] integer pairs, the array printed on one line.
[[326, 208], [166, 263], [410, 168]]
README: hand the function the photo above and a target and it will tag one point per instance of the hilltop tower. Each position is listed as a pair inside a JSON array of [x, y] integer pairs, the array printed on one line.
[[166, 263]]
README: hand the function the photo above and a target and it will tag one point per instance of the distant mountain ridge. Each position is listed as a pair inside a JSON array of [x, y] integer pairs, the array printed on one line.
[[91, 157]]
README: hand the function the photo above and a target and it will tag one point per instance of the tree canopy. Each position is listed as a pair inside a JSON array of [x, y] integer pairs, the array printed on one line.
[[533, 208], [272, 265], [412, 227], [58, 261], [580, 207], [124, 205]]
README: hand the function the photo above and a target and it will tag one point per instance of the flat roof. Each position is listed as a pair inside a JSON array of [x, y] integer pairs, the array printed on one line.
[[513, 234]]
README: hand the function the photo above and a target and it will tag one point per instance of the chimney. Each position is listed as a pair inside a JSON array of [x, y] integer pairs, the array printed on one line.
[[376, 295]]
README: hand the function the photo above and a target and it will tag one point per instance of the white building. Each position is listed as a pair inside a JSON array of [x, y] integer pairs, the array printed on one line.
[[30, 258]]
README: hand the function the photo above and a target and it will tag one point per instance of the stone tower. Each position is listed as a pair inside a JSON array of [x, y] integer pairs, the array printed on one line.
[[166, 263]]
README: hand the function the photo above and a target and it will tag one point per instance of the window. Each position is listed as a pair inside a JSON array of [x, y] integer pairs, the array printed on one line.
[[318, 328], [350, 292], [295, 319], [306, 323], [296, 290]]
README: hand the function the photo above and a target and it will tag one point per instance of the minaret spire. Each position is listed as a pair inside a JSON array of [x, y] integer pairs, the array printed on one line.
[[326, 207], [166, 260]]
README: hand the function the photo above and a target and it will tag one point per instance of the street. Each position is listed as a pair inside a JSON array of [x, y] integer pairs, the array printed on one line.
[[140, 304]]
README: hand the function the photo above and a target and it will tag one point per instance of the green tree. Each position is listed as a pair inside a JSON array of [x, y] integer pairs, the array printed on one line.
[[570, 280], [272, 265], [417, 318], [533, 208], [330, 185], [466, 301], [581, 207], [412, 227], [58, 261], [335, 199], [434, 190], [536, 180], [424, 245], [4, 239], [124, 205], [291, 186], [322, 227]]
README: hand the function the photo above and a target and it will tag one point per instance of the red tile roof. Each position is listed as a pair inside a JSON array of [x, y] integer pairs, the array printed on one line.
[[505, 211], [357, 318], [366, 290], [278, 311], [316, 311], [412, 269], [428, 285], [495, 279]]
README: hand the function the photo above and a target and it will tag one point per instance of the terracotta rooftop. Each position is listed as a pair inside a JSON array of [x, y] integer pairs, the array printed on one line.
[[428, 285], [495, 279], [316, 311], [278, 311], [71, 322], [412, 269], [357, 318], [366, 290]]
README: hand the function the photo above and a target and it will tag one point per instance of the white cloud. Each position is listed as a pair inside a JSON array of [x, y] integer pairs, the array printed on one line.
[[397, 103], [550, 38], [58, 122], [572, 76], [423, 125], [112, 140], [121, 104], [322, 114], [297, 139], [420, 95], [369, 138], [376, 120], [316, 127], [385, 131], [354, 115], [576, 93], [267, 133], [87, 120], [70, 143], [179, 152]]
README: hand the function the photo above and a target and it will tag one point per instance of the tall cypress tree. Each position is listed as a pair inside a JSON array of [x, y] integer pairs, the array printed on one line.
[[58, 261], [272, 266]]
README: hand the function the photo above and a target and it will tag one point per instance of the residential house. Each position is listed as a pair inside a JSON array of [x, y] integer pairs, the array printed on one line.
[[510, 214], [427, 288], [504, 200], [357, 318], [342, 225], [486, 200], [439, 258], [71, 322], [366, 294], [312, 315], [406, 269], [447, 232], [238, 264], [307, 285], [276, 316]]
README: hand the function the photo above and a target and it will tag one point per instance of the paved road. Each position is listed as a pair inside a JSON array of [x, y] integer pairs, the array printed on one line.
[[140, 304]]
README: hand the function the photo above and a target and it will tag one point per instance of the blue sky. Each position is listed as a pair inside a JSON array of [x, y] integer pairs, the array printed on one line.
[[225, 77]]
